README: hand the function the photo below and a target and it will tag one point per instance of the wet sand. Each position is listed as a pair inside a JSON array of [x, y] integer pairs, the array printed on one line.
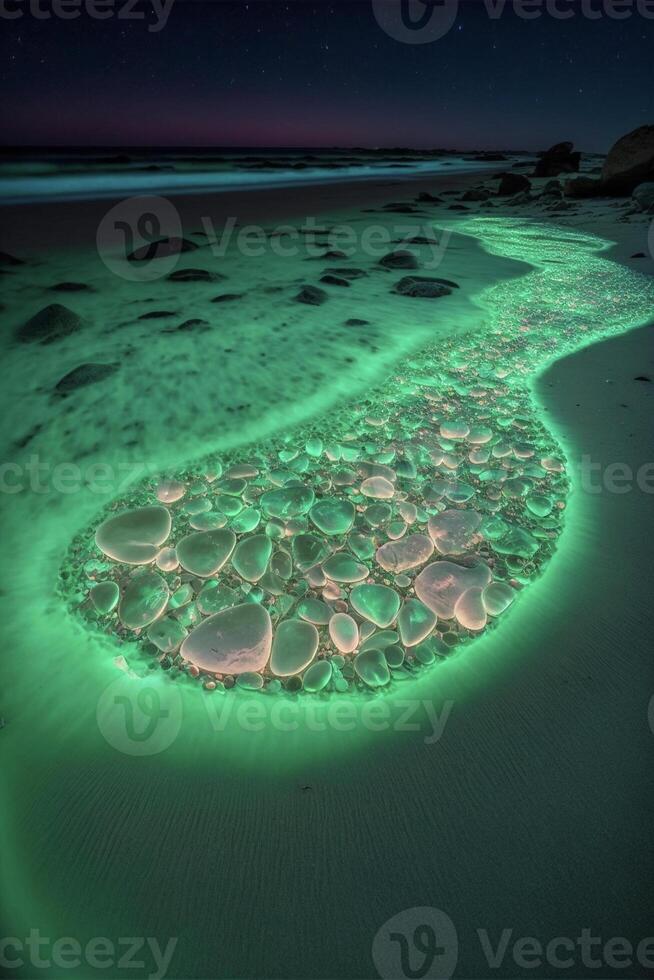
[[529, 813]]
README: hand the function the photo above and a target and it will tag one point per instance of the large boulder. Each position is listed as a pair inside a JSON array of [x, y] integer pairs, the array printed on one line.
[[559, 159], [630, 161]]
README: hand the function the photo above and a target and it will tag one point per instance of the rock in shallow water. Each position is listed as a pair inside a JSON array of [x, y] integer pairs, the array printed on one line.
[[233, 641]]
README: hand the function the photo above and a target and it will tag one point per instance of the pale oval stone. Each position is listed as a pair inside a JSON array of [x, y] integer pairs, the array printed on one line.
[[167, 560], [497, 597], [377, 487], [344, 632], [442, 584], [455, 429], [415, 622], [407, 552], [251, 556], [233, 641], [294, 647], [205, 552], [376, 603], [469, 609], [134, 537], [143, 601], [168, 491], [452, 531]]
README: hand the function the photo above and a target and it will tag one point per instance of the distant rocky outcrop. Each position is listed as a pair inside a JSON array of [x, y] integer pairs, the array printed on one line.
[[630, 161], [559, 159]]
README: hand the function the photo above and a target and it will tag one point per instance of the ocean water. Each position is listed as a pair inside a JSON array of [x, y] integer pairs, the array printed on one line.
[[77, 178]]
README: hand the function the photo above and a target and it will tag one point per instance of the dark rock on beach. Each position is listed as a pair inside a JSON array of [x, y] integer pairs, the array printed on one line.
[[157, 315], [513, 184], [424, 197], [85, 374], [70, 287], [196, 323], [401, 259], [355, 322], [559, 159], [161, 249], [630, 161], [193, 275], [51, 323], [331, 280], [643, 197], [476, 194], [227, 297], [311, 296], [583, 187], [424, 288]]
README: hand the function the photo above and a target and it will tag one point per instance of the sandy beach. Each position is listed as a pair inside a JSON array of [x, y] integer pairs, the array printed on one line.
[[505, 788]]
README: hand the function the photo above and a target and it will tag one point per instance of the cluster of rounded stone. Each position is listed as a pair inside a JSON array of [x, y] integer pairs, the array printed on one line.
[[336, 566]]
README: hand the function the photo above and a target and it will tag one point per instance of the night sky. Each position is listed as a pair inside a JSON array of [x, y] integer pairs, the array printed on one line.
[[268, 73]]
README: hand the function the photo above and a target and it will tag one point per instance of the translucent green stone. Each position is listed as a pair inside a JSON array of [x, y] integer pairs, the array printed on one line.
[[166, 634], [332, 515], [314, 611], [215, 597], [381, 640], [539, 504], [394, 656], [517, 542], [497, 597], [317, 676], [246, 521], [143, 601], [342, 567], [294, 647], [250, 680], [377, 514], [251, 556], [372, 668], [377, 603], [362, 545], [287, 502], [205, 552], [415, 622], [308, 550], [104, 597]]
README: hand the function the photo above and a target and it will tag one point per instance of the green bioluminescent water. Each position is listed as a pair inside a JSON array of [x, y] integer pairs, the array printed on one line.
[[359, 550]]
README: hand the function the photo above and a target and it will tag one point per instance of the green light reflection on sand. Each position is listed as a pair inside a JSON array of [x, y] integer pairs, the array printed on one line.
[[571, 299]]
